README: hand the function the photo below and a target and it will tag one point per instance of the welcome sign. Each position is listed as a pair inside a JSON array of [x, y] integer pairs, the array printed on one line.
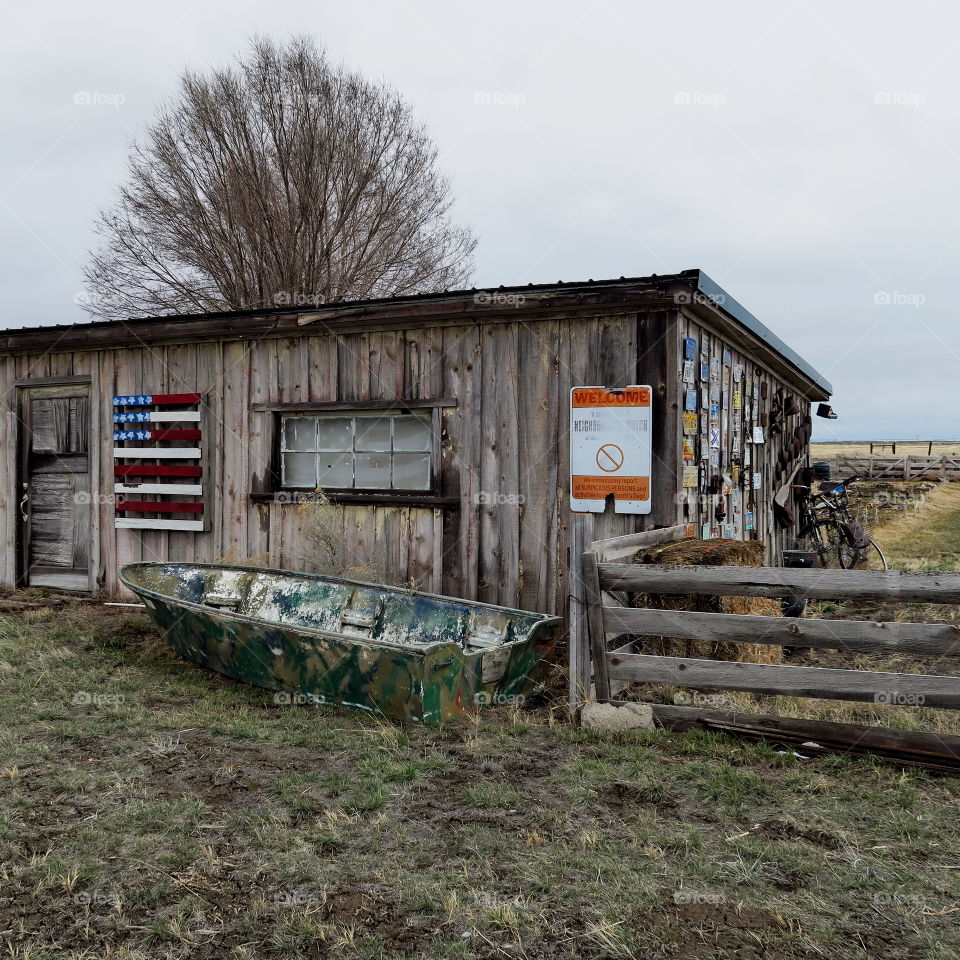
[[610, 449]]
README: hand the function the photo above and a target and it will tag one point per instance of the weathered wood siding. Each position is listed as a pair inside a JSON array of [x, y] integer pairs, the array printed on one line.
[[698, 505], [504, 453]]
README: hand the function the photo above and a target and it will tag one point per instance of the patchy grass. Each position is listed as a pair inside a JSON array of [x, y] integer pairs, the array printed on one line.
[[151, 809], [930, 540]]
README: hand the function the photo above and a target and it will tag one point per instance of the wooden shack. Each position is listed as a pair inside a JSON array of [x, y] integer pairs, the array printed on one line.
[[437, 425]]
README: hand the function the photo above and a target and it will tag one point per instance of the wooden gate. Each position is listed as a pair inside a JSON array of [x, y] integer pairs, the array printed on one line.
[[606, 620], [909, 467], [54, 487]]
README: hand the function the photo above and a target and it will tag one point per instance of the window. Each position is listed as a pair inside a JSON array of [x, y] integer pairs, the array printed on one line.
[[364, 451]]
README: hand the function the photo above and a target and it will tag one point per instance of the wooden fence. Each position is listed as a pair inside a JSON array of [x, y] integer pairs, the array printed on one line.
[[609, 619], [900, 468], [615, 548]]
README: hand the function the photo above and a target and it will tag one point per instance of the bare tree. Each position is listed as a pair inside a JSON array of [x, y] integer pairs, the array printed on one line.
[[284, 179]]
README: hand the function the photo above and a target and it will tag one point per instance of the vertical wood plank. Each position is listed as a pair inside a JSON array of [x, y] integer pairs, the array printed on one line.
[[578, 659], [10, 498], [595, 629], [461, 444], [499, 480], [540, 435], [322, 365], [233, 451], [259, 451], [102, 402]]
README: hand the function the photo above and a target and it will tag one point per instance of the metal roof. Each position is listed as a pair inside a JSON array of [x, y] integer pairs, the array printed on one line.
[[696, 279]]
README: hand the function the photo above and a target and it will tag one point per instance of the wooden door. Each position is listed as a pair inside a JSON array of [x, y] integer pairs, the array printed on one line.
[[54, 492]]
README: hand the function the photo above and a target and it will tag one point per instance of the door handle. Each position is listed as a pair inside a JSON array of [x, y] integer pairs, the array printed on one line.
[[23, 506]]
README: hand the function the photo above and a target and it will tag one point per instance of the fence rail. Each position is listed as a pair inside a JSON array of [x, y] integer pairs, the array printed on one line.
[[606, 620], [901, 468]]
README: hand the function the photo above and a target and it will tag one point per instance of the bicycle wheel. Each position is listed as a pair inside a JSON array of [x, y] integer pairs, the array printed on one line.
[[829, 544], [869, 557]]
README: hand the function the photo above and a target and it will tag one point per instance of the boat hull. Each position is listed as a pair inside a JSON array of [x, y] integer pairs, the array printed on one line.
[[402, 654]]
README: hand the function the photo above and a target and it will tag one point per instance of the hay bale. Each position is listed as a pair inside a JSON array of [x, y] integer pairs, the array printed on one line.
[[725, 553]]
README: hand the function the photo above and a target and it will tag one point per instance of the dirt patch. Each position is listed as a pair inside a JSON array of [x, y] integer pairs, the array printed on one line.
[[622, 795], [791, 830], [372, 909]]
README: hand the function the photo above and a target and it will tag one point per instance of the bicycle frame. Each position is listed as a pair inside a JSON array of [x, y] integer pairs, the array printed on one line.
[[830, 510]]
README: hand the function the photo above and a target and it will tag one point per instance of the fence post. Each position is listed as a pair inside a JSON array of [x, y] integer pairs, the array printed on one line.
[[581, 536], [598, 638]]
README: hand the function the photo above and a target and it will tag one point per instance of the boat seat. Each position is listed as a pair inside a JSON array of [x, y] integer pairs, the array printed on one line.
[[486, 630], [361, 613]]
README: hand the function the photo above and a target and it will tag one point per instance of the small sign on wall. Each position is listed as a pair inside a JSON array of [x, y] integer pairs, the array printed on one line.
[[610, 449]]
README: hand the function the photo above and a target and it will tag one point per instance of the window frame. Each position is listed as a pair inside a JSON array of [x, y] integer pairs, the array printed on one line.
[[429, 410]]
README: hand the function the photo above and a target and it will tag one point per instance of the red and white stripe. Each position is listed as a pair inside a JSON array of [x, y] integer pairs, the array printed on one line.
[[161, 501]]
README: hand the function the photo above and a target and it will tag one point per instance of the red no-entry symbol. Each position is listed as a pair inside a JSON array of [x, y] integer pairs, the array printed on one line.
[[609, 458]]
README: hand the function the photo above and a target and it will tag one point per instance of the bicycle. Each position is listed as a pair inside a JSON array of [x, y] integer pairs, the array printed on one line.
[[838, 538]]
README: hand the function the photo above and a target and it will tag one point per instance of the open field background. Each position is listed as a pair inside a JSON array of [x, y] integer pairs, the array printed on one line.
[[829, 450], [149, 809]]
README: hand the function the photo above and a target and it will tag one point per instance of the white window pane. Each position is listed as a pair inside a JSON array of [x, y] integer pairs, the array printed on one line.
[[411, 433], [373, 433], [336, 433], [300, 433], [411, 471], [373, 470], [300, 470], [336, 470]]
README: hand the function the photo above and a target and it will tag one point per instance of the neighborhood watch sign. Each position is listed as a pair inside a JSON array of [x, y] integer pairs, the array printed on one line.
[[610, 449]]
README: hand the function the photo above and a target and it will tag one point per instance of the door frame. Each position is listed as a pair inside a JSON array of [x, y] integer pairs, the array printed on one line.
[[41, 388]]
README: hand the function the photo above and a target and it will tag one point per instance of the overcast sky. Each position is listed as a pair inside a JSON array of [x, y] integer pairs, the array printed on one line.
[[805, 155]]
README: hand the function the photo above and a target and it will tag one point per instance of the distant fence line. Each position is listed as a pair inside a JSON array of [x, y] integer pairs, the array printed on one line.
[[892, 444], [901, 468]]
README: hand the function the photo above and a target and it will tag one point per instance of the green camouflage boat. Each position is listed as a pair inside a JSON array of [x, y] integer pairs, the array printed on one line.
[[400, 653]]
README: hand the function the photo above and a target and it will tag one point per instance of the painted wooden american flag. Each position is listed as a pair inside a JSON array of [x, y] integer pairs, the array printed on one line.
[[157, 461]]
